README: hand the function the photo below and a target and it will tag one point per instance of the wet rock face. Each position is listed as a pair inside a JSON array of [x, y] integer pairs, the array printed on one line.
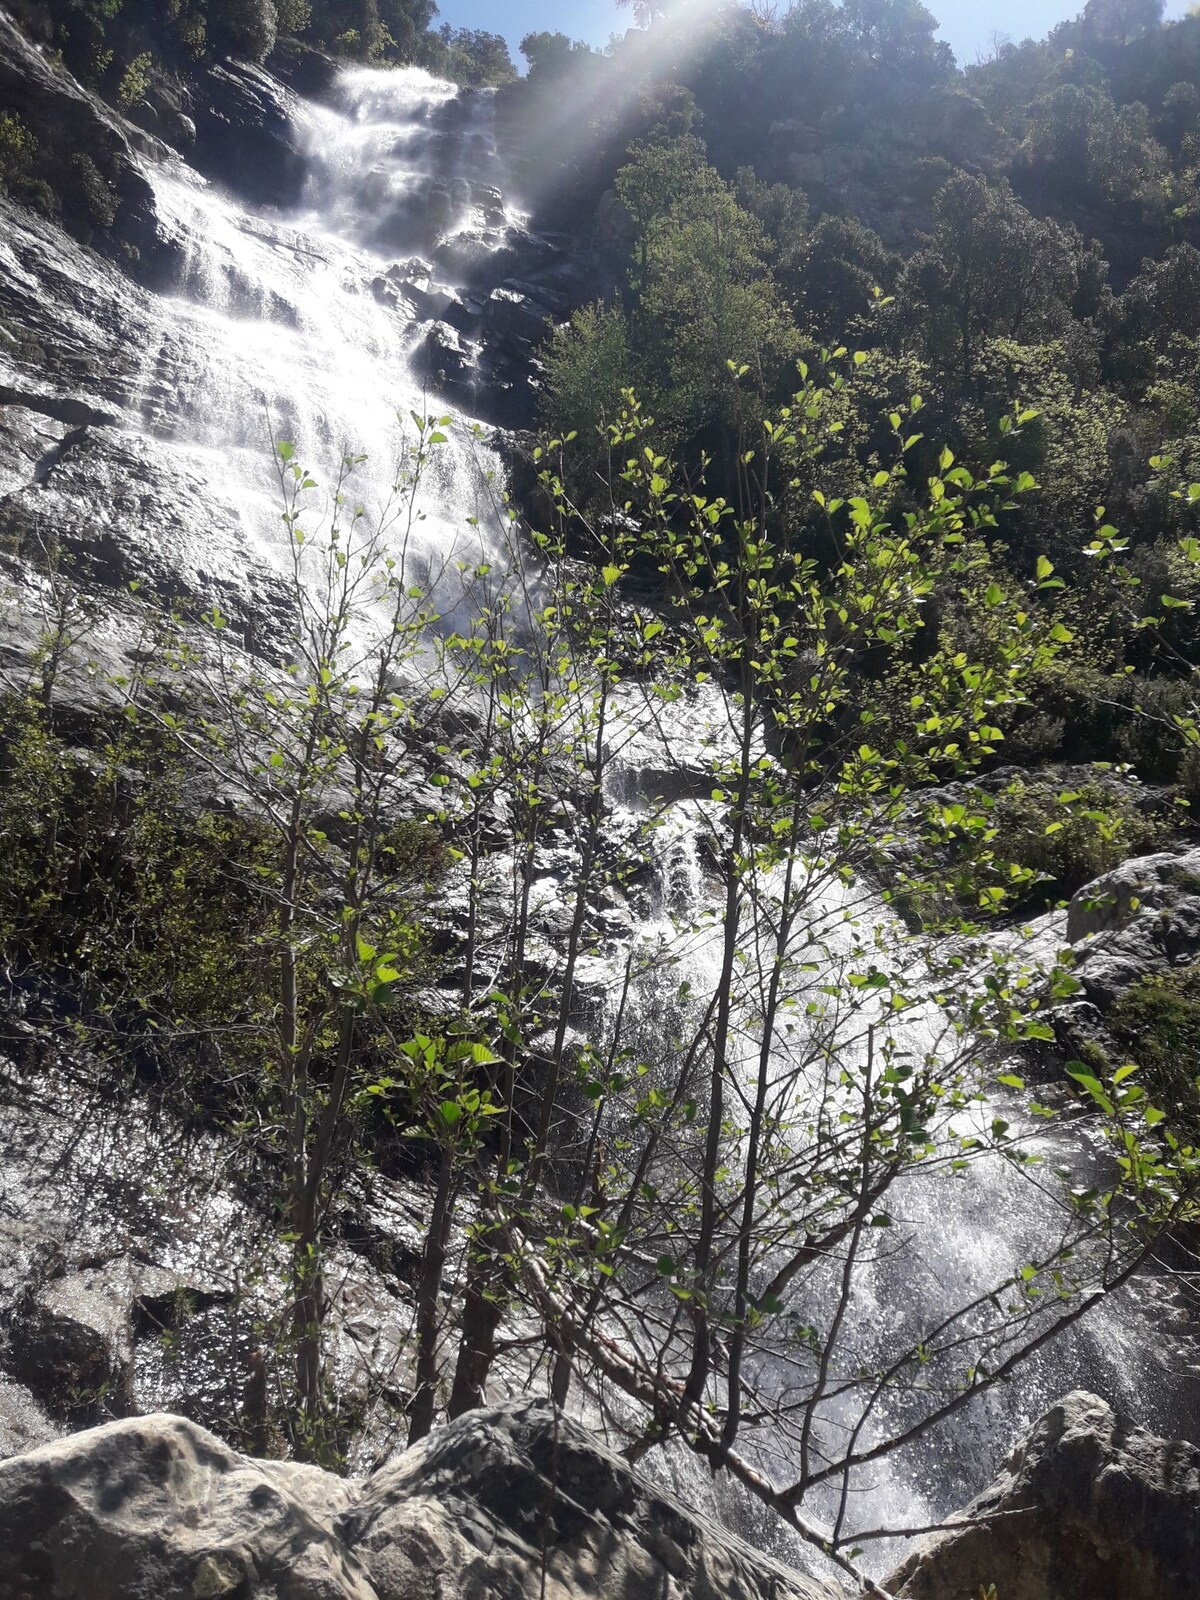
[[246, 135], [140, 1272], [505, 1502], [1089, 1506], [86, 157], [1139, 920]]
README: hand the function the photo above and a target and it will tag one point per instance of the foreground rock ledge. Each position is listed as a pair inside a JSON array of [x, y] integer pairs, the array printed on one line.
[[157, 1509], [1089, 1507]]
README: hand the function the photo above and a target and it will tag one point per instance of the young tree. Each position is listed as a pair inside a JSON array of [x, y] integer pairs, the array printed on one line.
[[316, 750], [757, 1153]]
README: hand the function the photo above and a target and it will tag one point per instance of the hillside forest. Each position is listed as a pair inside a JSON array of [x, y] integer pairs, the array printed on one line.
[[872, 444]]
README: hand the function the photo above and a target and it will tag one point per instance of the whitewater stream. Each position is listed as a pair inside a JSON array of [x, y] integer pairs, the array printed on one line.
[[303, 327], [314, 325], [953, 1237]]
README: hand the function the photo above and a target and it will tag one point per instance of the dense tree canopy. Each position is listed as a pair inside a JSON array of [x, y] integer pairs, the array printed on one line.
[[1019, 238]]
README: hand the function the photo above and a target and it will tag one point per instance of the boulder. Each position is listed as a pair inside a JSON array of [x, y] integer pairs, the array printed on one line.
[[505, 1495], [23, 1423], [72, 1341], [1140, 919], [511, 1501], [446, 360], [156, 1506], [1088, 1506], [511, 314]]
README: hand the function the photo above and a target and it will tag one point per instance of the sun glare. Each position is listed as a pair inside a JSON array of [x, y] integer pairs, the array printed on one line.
[[594, 97]]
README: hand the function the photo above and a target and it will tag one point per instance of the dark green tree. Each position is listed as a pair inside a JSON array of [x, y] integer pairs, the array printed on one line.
[[843, 263], [1118, 21], [991, 269], [243, 27]]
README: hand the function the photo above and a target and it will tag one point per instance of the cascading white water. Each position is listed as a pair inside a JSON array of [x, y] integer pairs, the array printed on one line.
[[954, 1236], [279, 329]]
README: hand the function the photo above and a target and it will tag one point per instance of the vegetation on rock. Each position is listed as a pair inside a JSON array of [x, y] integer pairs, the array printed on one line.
[[662, 1202], [352, 892]]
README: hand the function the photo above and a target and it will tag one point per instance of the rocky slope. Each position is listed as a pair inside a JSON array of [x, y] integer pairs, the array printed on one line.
[[168, 309], [518, 1501], [507, 1502]]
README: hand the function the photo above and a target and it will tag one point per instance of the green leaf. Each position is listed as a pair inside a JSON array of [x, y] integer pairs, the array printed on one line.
[[1091, 1086]]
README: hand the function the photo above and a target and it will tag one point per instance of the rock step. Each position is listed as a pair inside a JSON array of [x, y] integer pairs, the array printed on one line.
[[506, 1502]]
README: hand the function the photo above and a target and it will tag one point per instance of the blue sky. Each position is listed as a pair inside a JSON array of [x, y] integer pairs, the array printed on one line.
[[967, 24]]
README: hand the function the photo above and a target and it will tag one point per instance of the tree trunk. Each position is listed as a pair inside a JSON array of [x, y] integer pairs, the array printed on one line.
[[429, 1290], [482, 1310]]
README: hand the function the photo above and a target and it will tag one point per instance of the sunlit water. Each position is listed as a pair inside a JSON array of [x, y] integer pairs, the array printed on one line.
[[953, 1237], [277, 331]]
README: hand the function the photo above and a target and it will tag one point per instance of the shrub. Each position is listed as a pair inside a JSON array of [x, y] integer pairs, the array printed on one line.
[[17, 150], [1071, 835], [97, 196], [134, 82], [1158, 1020], [18, 165]]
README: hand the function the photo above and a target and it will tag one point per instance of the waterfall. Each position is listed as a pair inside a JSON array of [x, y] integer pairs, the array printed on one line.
[[951, 1238], [302, 326]]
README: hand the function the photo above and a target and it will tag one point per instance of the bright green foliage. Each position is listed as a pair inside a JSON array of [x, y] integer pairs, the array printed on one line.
[[588, 368], [832, 706], [17, 150], [738, 1138], [709, 305], [704, 307], [134, 81], [1072, 835], [19, 165]]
